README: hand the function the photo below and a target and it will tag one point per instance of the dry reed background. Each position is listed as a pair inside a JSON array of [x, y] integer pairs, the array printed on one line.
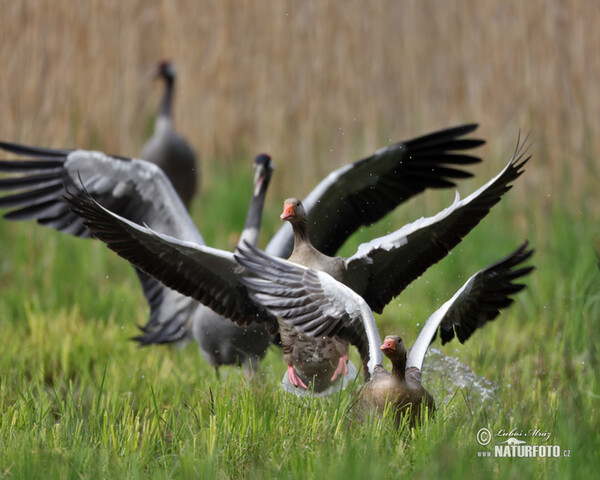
[[314, 83]]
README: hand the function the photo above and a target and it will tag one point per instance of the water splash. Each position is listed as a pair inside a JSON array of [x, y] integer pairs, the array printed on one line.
[[449, 377]]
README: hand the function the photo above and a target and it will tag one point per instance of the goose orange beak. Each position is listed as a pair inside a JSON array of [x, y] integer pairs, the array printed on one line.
[[388, 345], [288, 211]]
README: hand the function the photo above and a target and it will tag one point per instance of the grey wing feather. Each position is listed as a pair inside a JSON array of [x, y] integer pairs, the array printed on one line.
[[171, 314], [311, 301], [134, 189], [477, 302], [383, 267], [203, 273], [365, 191]]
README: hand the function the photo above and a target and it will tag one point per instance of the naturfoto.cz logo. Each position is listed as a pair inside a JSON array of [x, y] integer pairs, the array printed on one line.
[[508, 444]]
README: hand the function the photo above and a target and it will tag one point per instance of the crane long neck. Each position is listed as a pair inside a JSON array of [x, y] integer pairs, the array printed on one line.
[[254, 216], [167, 98]]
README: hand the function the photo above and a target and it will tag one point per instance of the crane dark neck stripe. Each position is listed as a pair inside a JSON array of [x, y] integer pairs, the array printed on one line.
[[167, 99], [254, 216]]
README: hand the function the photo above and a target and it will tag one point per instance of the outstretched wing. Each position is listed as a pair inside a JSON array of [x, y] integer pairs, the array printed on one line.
[[478, 301], [311, 301], [135, 189], [198, 271], [383, 267], [365, 191], [171, 314]]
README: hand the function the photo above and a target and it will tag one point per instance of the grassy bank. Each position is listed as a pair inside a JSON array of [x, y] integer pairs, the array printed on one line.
[[78, 399]]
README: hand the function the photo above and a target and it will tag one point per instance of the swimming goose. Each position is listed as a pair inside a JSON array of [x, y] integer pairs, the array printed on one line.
[[317, 305], [378, 271], [140, 191], [167, 148]]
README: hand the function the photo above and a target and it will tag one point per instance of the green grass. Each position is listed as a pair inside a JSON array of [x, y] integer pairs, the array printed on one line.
[[78, 399]]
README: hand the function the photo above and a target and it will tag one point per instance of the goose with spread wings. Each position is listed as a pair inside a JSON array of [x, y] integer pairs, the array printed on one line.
[[140, 192], [373, 272], [383, 267], [317, 305], [363, 192], [378, 271]]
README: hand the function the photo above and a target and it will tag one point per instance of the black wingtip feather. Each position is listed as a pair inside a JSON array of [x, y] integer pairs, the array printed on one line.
[[443, 139], [27, 150], [41, 163], [498, 286]]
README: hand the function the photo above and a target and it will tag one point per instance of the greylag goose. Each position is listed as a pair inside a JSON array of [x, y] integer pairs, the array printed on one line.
[[316, 304], [140, 191], [365, 191], [362, 272], [380, 182], [167, 148], [379, 270], [383, 267]]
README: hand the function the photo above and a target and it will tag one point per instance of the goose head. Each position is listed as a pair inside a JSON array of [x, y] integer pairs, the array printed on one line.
[[393, 348], [293, 211]]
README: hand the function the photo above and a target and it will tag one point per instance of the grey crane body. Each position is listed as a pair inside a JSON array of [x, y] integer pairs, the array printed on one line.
[[167, 148]]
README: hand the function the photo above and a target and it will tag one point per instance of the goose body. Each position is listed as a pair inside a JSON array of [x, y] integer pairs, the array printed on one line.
[[317, 304], [167, 148], [401, 389]]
